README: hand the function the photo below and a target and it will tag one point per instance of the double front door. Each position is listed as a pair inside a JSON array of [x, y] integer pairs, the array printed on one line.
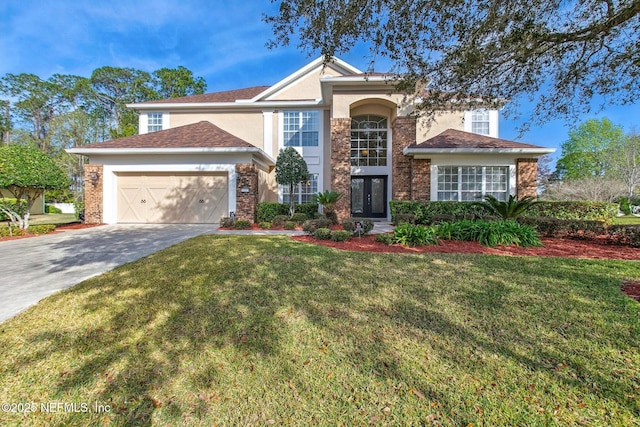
[[369, 196]]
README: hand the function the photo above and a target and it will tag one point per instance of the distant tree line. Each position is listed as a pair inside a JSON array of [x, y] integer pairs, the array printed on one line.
[[66, 111]]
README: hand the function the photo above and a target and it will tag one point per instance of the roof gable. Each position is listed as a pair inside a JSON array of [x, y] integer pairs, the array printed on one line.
[[198, 135], [452, 138]]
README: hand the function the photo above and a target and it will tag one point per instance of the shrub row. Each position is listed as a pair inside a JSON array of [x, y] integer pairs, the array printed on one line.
[[5, 231], [488, 233], [624, 235], [552, 227], [52, 209], [335, 235], [417, 212], [267, 211]]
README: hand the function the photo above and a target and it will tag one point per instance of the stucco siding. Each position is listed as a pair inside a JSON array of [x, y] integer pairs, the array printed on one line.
[[245, 125]]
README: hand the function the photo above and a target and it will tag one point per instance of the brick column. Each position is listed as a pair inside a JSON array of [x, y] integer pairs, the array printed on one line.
[[341, 164], [421, 179], [93, 190], [246, 202], [404, 134], [526, 177]]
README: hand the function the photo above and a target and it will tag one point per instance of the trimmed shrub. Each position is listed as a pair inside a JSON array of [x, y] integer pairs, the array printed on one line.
[[551, 227], [41, 229], [349, 224], [309, 209], [290, 225], [311, 225], [322, 234], [625, 235], [299, 217], [403, 218], [424, 211], [280, 220], [242, 224], [5, 231], [386, 238], [226, 222], [624, 205], [340, 235], [267, 211], [415, 235], [51, 209], [580, 210], [265, 225], [79, 210]]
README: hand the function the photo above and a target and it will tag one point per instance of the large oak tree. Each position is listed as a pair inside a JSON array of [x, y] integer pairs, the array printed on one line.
[[560, 53]]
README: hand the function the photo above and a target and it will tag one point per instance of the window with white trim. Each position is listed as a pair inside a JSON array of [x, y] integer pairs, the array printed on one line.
[[300, 128], [369, 135], [304, 192], [154, 122], [472, 183], [480, 121]]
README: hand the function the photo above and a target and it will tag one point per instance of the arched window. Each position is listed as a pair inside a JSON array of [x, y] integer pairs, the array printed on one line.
[[369, 141]]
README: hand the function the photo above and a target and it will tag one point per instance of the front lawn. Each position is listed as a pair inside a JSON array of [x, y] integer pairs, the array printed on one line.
[[255, 330]]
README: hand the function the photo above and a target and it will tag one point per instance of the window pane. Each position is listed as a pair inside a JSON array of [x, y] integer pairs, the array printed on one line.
[[301, 128], [369, 141], [154, 122], [471, 183]]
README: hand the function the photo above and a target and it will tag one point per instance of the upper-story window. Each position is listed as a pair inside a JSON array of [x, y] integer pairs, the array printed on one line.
[[301, 128], [480, 122], [369, 136], [154, 122]]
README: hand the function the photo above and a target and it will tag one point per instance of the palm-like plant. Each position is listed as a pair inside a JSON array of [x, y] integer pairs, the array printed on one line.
[[328, 200], [508, 209]]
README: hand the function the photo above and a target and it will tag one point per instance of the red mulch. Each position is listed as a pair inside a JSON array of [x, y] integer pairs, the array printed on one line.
[[568, 248], [58, 229], [632, 289]]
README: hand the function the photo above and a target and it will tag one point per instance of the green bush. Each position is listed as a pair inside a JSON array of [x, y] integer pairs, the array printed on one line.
[[311, 225], [349, 224], [551, 227], [290, 225], [576, 210], [624, 234], [5, 231], [267, 211], [322, 234], [340, 235], [11, 204], [489, 233], [386, 238], [405, 218], [226, 222], [242, 224], [79, 210], [265, 225], [625, 205], [309, 209], [280, 220], [415, 235], [41, 229], [299, 217], [52, 209], [59, 196], [424, 211]]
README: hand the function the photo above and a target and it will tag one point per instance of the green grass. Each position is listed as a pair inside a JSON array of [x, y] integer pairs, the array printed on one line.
[[55, 219], [629, 219], [245, 330]]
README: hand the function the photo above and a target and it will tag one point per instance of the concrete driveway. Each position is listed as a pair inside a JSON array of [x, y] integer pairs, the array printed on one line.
[[34, 268]]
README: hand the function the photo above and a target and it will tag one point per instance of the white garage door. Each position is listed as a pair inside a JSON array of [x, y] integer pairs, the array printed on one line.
[[172, 198]]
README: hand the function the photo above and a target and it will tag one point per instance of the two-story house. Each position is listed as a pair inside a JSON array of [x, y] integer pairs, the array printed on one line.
[[201, 157]]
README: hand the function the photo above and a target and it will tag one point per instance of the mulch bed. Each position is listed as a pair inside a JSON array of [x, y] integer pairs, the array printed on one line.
[[75, 226]]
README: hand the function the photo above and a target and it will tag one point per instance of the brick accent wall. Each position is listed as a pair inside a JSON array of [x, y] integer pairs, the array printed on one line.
[[421, 179], [341, 164], [526, 177], [93, 207], [404, 134], [246, 203]]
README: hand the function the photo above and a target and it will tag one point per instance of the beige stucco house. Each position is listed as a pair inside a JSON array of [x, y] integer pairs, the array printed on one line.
[[201, 157]]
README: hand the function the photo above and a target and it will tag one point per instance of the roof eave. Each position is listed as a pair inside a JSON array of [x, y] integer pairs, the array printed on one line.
[[243, 103], [187, 150], [409, 151]]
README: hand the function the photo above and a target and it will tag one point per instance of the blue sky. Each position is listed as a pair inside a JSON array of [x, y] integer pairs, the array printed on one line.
[[221, 40]]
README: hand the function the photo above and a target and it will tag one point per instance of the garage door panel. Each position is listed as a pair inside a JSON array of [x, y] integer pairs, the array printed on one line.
[[175, 198]]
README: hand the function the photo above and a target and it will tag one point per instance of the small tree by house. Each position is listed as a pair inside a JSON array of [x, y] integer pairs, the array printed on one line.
[[27, 173], [291, 170], [328, 200]]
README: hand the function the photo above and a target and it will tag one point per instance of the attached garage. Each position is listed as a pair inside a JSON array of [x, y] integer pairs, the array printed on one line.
[[192, 174], [172, 198]]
